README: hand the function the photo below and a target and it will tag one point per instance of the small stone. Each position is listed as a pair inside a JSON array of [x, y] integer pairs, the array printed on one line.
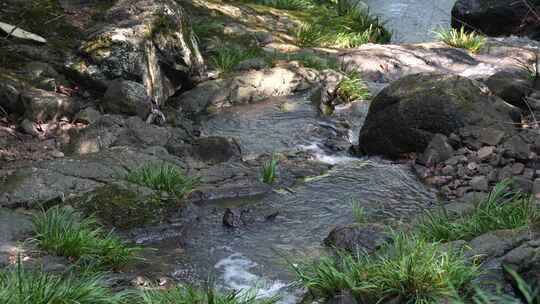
[[485, 153], [479, 183], [233, 218], [491, 136], [493, 175], [57, 154], [517, 168], [472, 166]]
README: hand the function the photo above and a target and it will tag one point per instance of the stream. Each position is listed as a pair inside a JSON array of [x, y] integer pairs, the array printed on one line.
[[292, 223], [302, 216]]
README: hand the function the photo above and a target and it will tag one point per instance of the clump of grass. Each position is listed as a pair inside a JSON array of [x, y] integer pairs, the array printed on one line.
[[164, 177], [226, 58], [269, 171], [64, 232], [354, 27], [207, 28], [359, 213], [183, 294], [352, 88], [20, 286], [409, 268], [461, 39], [502, 209]]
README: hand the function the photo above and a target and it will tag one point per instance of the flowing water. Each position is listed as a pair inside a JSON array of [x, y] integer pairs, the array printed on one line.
[[413, 21], [291, 222]]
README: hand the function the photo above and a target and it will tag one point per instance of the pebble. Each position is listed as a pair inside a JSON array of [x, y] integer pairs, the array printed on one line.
[[485, 153], [517, 168], [479, 183], [57, 154]]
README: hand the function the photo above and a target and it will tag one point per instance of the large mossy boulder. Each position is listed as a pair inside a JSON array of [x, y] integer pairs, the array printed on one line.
[[406, 115], [146, 41], [492, 17]]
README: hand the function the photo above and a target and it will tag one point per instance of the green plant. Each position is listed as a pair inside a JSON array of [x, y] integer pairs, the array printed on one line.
[[164, 177], [19, 286], [269, 171], [226, 58], [207, 28], [352, 88], [354, 27], [183, 294], [461, 39], [502, 209], [359, 213], [409, 268], [64, 232]]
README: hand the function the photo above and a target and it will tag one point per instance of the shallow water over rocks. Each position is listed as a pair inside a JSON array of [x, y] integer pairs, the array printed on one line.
[[291, 221]]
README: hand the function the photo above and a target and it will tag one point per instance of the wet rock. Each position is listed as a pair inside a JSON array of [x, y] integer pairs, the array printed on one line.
[[480, 183], [216, 149], [149, 41], [406, 115], [233, 218], [344, 297], [363, 237], [491, 17], [512, 86], [128, 98]]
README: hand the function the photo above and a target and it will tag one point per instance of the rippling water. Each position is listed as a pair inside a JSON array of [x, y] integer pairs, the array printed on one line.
[[306, 213]]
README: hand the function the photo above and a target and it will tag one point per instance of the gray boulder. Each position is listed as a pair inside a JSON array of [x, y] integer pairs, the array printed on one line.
[[127, 97], [147, 41], [365, 237], [406, 115]]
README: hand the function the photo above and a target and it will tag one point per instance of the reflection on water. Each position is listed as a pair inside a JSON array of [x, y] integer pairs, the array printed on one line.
[[413, 21]]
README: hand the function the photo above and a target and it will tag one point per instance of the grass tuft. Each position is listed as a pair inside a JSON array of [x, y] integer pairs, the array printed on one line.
[[269, 171], [502, 209], [62, 231], [410, 269], [164, 177], [359, 213], [461, 39], [183, 294], [19, 286], [326, 27], [352, 88]]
